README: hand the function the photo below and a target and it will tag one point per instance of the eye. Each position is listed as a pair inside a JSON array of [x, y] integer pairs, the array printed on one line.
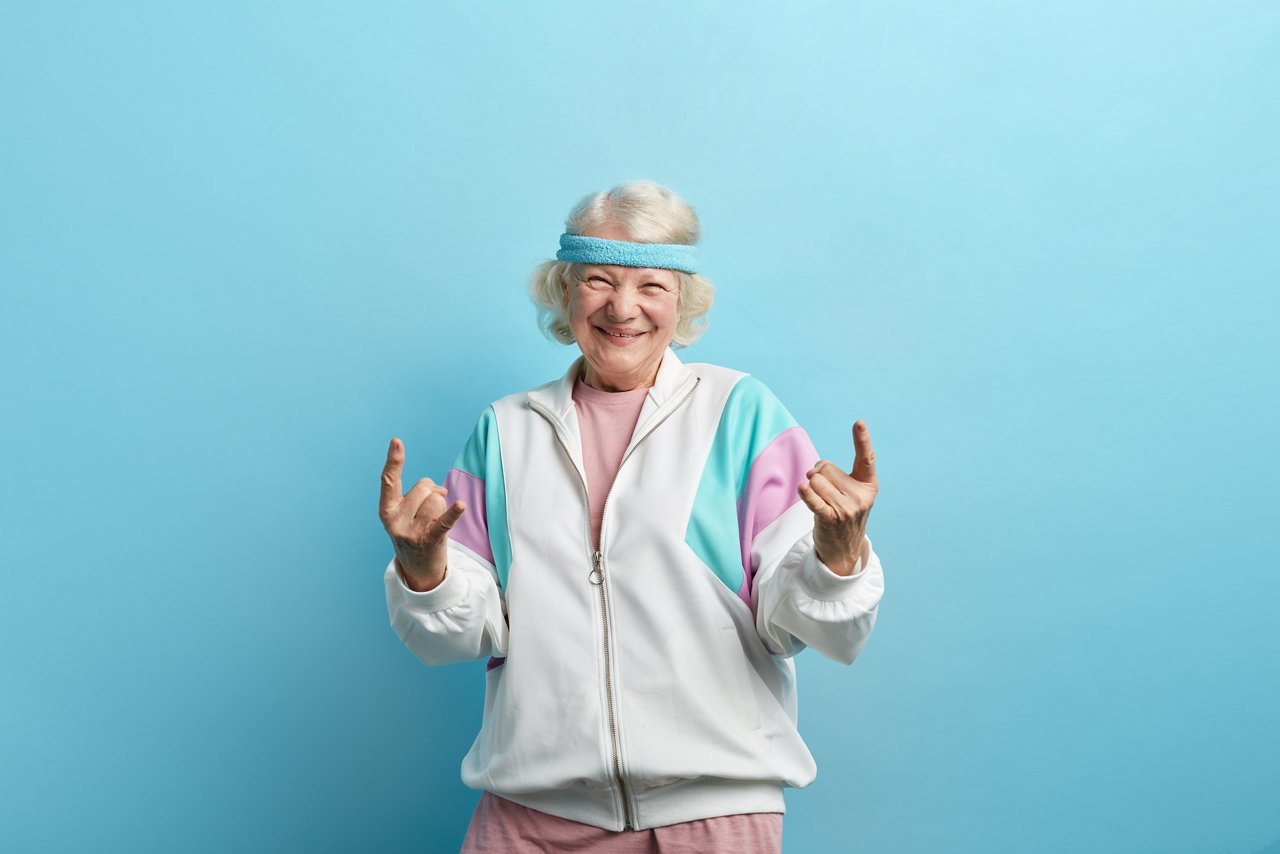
[[654, 286]]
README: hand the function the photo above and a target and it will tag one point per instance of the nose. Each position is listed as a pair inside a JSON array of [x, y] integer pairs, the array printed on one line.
[[622, 304]]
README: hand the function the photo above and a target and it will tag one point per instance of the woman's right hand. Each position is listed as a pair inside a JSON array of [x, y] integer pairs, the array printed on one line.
[[418, 523]]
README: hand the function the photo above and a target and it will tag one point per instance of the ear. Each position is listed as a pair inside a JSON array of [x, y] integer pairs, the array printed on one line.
[[569, 281]]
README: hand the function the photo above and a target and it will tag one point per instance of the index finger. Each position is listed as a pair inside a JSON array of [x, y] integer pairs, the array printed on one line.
[[864, 459], [391, 491]]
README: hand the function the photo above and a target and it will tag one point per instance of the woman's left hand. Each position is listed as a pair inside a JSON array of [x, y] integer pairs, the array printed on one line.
[[841, 502]]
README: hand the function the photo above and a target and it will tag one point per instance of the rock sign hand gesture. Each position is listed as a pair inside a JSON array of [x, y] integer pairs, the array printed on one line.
[[840, 503], [418, 522]]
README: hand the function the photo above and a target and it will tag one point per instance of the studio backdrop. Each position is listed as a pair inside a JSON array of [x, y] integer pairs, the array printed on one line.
[[242, 245]]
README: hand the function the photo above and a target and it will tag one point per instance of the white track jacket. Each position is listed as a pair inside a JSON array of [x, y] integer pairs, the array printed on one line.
[[650, 682]]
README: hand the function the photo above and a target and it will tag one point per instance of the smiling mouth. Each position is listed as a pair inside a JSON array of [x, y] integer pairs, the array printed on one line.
[[619, 335]]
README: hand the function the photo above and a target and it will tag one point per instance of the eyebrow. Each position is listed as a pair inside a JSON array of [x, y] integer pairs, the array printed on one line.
[[592, 272]]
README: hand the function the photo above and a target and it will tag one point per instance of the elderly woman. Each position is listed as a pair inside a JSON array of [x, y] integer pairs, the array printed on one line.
[[640, 548]]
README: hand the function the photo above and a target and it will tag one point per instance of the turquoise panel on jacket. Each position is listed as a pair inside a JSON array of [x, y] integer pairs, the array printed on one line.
[[482, 458], [752, 418]]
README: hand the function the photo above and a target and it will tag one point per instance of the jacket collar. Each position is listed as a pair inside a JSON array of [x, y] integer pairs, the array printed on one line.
[[673, 378]]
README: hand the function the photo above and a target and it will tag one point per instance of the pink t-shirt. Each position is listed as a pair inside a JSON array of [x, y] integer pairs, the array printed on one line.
[[606, 421]]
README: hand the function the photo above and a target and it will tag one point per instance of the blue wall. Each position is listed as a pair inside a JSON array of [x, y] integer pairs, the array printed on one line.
[[242, 245]]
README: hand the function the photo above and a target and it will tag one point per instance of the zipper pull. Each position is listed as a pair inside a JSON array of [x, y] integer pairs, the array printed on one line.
[[597, 572]]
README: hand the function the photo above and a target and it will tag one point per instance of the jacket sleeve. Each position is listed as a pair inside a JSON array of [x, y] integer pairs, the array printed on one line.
[[464, 617], [801, 602], [796, 599]]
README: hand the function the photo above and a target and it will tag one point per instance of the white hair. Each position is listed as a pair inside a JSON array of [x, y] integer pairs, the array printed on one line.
[[649, 213]]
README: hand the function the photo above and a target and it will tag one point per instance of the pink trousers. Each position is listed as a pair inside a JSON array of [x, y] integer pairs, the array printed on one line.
[[499, 825]]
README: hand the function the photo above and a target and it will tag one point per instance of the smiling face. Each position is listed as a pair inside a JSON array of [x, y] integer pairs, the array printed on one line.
[[623, 319]]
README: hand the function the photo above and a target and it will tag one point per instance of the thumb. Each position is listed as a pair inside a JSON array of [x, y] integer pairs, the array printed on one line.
[[450, 517]]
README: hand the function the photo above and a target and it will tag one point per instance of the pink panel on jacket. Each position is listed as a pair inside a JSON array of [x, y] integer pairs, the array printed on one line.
[[472, 529], [770, 490]]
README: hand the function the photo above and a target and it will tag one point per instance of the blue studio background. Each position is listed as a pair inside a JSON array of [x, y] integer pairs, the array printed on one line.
[[1033, 244]]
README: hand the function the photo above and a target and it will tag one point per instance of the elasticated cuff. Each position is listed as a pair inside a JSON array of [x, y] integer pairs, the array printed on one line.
[[824, 584], [446, 594]]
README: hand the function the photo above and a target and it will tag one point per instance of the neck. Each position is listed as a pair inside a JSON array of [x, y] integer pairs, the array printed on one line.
[[596, 380]]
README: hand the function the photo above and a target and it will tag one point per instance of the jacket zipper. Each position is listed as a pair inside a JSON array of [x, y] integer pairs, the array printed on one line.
[[597, 579]]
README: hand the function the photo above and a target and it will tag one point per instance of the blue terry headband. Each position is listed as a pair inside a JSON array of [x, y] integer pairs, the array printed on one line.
[[597, 250]]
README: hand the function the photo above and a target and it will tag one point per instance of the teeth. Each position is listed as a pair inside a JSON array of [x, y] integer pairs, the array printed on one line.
[[618, 335]]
